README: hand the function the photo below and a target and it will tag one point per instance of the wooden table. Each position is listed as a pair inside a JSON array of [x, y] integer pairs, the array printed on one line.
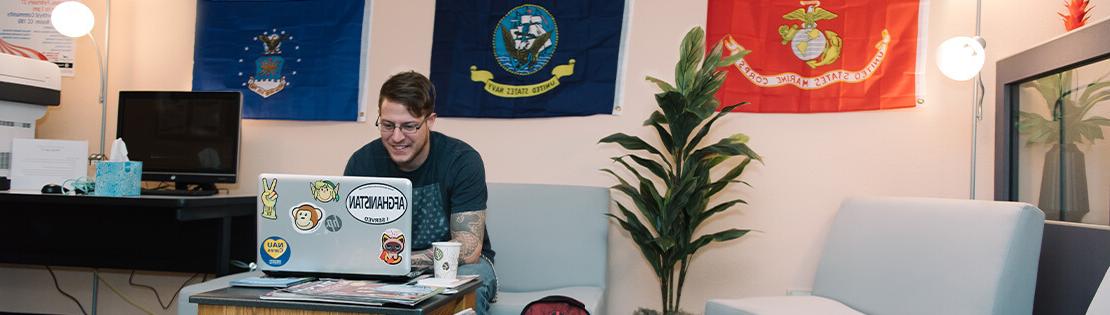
[[240, 300]]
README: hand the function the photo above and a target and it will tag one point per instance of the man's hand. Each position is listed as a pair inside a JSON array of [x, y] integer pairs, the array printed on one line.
[[469, 228], [269, 198]]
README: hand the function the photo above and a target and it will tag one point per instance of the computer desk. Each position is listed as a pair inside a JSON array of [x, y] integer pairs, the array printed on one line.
[[239, 300], [164, 233]]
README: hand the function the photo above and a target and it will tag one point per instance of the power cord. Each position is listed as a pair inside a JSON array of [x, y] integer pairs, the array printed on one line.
[[165, 306], [124, 297], [248, 266], [56, 286]]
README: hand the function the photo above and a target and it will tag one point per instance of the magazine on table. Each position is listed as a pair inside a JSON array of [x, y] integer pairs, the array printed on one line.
[[364, 292]]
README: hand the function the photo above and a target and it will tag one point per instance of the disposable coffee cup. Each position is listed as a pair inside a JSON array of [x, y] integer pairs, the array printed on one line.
[[446, 259]]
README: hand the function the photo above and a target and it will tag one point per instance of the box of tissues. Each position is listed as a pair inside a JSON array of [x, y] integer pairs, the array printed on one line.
[[118, 176]]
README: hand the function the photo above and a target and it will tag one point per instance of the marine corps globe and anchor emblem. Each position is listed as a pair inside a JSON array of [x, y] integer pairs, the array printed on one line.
[[807, 42], [813, 46], [523, 43]]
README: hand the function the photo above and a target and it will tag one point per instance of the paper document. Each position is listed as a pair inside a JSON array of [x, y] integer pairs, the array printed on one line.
[[37, 162]]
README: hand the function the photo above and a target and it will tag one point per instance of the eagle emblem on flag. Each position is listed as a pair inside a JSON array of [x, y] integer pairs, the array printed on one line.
[[268, 78]]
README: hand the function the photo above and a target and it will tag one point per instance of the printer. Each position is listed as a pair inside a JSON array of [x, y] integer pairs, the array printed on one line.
[[27, 87]]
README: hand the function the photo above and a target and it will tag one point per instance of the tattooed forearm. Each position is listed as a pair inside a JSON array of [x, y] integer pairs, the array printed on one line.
[[422, 259], [469, 228]]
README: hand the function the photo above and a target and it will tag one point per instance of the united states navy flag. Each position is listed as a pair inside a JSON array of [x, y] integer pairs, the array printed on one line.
[[510, 59], [292, 59]]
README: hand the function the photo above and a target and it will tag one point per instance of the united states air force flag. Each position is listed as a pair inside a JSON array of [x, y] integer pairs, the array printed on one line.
[[511, 59], [291, 59]]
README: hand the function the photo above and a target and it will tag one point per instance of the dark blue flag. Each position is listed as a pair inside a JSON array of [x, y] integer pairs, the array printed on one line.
[[292, 59], [510, 59]]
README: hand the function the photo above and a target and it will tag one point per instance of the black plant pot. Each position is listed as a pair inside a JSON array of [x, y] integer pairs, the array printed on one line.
[[1064, 196]]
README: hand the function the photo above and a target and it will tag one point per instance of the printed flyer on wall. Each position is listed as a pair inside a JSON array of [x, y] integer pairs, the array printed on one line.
[[25, 30]]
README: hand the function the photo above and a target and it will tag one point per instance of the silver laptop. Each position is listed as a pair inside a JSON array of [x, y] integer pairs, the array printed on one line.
[[311, 225]]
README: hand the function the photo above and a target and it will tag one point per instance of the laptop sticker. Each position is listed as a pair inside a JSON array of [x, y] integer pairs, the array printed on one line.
[[306, 217], [269, 197], [275, 251], [324, 190], [393, 243], [376, 204], [333, 223]]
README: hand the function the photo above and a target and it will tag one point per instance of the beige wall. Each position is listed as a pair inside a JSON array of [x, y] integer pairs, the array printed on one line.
[[812, 161]]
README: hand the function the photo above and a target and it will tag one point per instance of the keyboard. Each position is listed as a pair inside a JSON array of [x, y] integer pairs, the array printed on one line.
[[176, 192]]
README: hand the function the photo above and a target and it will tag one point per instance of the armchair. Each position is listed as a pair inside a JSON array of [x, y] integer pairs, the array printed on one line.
[[918, 256], [550, 240]]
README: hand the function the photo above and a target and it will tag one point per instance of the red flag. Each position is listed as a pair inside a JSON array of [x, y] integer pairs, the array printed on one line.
[[820, 56]]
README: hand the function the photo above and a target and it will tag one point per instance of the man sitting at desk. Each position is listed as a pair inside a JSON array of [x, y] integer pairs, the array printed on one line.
[[448, 178]]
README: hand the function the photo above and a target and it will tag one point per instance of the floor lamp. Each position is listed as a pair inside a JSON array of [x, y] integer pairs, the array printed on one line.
[[961, 58], [74, 19]]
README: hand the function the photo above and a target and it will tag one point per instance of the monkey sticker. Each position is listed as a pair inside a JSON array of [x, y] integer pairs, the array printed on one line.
[[393, 244], [324, 190], [306, 217], [268, 198]]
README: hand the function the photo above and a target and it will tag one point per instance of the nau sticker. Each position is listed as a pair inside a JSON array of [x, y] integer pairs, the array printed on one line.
[[306, 217], [268, 198], [275, 251], [324, 190], [333, 223], [376, 203], [393, 243]]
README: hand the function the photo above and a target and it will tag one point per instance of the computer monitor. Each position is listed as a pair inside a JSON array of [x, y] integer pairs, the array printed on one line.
[[190, 138]]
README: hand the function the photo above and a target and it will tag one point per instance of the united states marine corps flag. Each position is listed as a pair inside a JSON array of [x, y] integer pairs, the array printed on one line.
[[821, 56], [513, 59]]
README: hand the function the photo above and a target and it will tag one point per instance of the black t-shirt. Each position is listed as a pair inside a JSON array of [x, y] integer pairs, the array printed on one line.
[[451, 180]]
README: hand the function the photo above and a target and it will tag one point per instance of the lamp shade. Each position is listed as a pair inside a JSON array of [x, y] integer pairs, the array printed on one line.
[[72, 18], [961, 58]]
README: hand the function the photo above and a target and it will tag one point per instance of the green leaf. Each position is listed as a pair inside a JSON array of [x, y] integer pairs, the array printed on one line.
[[652, 166], [663, 85], [731, 146], [1098, 120], [701, 217], [707, 126], [649, 210], [690, 53], [732, 59], [721, 236], [735, 172], [656, 121], [631, 143]]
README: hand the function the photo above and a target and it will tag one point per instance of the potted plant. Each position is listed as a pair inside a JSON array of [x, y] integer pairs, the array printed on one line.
[[673, 195], [1063, 193]]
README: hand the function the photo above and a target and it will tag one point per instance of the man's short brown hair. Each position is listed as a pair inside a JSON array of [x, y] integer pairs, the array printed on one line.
[[411, 89]]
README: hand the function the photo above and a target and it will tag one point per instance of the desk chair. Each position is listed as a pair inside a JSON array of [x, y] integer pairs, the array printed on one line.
[[911, 256]]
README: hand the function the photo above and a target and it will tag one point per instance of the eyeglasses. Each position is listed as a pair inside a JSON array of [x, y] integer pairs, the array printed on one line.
[[407, 128]]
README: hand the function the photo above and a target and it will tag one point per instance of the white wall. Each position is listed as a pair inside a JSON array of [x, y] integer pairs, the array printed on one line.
[[813, 161]]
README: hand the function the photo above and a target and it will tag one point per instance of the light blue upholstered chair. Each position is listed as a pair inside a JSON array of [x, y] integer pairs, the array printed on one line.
[[911, 256], [550, 240], [1100, 304]]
